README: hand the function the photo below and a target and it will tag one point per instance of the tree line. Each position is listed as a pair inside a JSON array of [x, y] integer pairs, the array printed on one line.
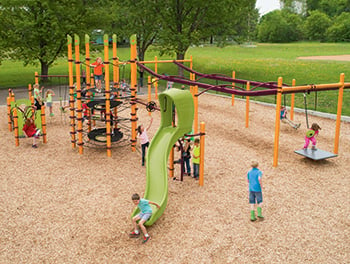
[[311, 20], [35, 31]]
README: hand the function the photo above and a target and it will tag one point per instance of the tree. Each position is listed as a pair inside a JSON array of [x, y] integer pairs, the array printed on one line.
[[340, 30], [36, 30], [139, 17], [316, 25], [187, 22], [279, 26]]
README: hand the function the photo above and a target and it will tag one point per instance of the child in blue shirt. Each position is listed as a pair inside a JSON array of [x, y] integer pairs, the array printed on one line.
[[142, 217], [255, 190]]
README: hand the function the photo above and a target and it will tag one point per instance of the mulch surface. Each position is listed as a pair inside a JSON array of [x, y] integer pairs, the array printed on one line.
[[57, 206]]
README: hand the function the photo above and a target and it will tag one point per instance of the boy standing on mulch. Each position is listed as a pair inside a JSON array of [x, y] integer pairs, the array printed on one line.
[[143, 216], [255, 190], [196, 158]]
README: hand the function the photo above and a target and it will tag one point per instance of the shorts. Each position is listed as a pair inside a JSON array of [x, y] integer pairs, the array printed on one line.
[[98, 77], [255, 197], [145, 216], [48, 104]]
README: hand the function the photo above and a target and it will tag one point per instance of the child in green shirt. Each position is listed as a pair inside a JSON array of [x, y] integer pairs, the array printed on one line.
[[196, 158]]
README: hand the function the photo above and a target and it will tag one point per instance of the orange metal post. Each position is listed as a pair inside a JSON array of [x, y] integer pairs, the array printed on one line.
[[32, 103], [108, 97], [36, 78], [195, 100], [115, 76], [15, 126], [30, 93], [233, 87], [277, 122], [71, 92], [292, 103], [133, 56], [247, 107], [156, 71], [201, 149], [339, 109], [43, 123], [78, 91], [149, 85], [115, 65], [8, 100], [87, 76]]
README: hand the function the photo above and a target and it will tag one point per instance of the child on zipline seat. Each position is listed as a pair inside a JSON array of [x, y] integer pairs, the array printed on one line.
[[285, 119]]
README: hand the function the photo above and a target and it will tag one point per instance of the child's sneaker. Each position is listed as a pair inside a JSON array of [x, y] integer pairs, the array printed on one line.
[[34, 146], [146, 239], [51, 114], [313, 148], [134, 235], [297, 126]]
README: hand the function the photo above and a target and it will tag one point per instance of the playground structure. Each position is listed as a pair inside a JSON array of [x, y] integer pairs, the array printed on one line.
[[19, 110], [106, 101], [269, 88]]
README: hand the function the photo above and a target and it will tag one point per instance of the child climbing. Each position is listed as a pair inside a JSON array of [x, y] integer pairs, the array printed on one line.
[[311, 136], [142, 217], [48, 97], [255, 190], [98, 73], [144, 139], [30, 130], [285, 119]]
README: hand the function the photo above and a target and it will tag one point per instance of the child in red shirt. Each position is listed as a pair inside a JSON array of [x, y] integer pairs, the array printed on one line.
[[98, 74], [30, 130]]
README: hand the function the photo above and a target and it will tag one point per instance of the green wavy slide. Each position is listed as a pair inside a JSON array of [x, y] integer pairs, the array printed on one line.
[[161, 144]]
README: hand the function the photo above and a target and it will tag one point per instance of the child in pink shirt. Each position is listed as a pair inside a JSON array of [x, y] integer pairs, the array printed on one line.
[[144, 141]]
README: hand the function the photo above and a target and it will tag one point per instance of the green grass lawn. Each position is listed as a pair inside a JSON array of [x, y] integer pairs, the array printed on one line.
[[264, 63]]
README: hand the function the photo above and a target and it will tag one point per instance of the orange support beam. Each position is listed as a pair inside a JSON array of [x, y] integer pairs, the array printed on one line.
[[15, 126], [133, 57], [339, 109], [71, 92], [43, 123], [292, 102], [277, 122], [156, 71], [78, 91], [8, 100], [108, 96]]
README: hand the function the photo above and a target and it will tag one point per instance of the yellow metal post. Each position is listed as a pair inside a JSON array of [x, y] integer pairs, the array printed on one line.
[[247, 107], [201, 155], [277, 122], [71, 92], [339, 109], [78, 91], [133, 55]]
